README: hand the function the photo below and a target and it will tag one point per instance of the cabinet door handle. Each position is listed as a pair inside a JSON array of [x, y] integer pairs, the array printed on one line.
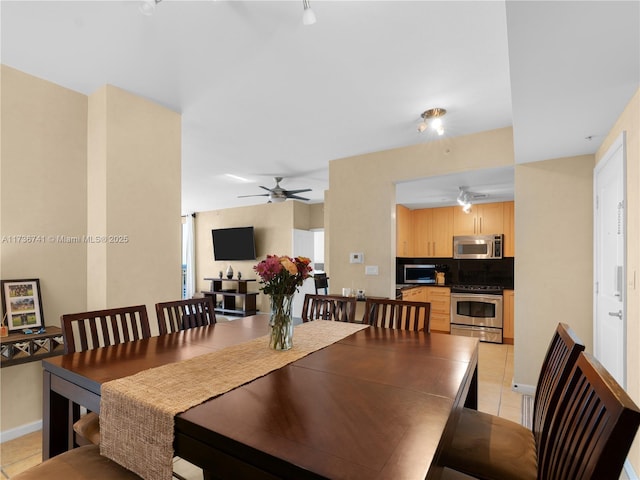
[[616, 314], [480, 222]]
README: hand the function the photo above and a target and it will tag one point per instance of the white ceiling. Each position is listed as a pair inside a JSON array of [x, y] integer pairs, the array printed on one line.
[[261, 95]]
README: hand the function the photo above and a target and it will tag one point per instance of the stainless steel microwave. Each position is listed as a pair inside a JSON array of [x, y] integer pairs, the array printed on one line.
[[425, 274], [477, 246]]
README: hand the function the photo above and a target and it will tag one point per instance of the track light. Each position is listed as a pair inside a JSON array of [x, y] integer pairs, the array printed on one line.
[[148, 7], [432, 116], [308, 17]]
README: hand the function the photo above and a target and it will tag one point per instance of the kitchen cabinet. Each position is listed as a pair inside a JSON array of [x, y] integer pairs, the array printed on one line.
[[440, 300], [507, 316], [433, 232], [509, 248], [482, 219], [404, 232], [417, 294]]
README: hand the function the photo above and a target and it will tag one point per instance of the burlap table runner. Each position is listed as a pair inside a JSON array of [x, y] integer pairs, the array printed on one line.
[[137, 412]]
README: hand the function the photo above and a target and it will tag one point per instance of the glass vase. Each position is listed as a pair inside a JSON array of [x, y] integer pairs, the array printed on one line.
[[281, 323]]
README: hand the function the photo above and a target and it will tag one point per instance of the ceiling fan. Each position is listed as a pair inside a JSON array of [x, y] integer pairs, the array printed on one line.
[[278, 194], [465, 198]]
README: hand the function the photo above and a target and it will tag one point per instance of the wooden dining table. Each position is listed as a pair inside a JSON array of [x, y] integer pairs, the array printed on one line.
[[378, 404]]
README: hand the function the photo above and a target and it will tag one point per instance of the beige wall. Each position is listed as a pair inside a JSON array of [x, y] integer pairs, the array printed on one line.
[[629, 122], [273, 226], [360, 206], [44, 188], [134, 169], [43, 180], [554, 251]]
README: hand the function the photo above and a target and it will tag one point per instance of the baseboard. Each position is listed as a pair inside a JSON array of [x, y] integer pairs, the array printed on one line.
[[522, 388], [13, 433], [628, 469]]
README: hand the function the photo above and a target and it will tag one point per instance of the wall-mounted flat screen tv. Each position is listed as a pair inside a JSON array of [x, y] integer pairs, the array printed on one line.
[[233, 243]]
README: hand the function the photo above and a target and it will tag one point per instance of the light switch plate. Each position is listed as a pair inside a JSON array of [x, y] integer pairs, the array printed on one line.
[[371, 270], [357, 257]]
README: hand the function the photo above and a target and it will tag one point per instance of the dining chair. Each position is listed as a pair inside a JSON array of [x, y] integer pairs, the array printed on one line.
[[100, 328], [589, 436], [183, 314], [329, 307], [491, 447], [592, 429], [397, 314], [83, 463], [321, 282]]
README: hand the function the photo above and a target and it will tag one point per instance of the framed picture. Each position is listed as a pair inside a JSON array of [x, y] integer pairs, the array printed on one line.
[[21, 304]]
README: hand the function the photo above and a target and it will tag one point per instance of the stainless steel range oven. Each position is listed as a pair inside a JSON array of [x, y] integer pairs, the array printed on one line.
[[476, 311]]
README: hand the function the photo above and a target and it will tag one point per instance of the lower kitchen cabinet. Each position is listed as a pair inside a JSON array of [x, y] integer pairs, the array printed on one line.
[[507, 317], [440, 300], [417, 294]]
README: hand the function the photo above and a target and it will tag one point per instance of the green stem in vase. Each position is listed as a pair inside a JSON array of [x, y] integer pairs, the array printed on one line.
[[281, 334]]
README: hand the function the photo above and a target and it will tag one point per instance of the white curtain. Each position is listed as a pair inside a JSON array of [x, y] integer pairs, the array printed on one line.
[[188, 246]]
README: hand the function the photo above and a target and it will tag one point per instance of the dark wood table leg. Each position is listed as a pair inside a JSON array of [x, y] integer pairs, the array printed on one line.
[[472, 395], [57, 428]]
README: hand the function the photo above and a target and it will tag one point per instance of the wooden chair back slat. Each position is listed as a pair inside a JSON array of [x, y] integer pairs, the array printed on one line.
[[563, 351], [100, 328], [592, 428], [328, 307], [397, 314], [184, 314]]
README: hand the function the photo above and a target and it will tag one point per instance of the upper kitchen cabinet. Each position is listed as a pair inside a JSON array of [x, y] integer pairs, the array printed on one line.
[[509, 230], [482, 219], [433, 232], [404, 232]]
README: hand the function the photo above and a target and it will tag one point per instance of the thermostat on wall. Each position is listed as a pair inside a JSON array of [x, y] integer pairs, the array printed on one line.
[[356, 257]]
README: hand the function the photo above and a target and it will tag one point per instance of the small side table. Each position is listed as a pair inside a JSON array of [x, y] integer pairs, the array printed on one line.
[[20, 348]]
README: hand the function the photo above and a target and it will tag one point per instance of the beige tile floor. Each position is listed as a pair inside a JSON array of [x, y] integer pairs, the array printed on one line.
[[495, 374]]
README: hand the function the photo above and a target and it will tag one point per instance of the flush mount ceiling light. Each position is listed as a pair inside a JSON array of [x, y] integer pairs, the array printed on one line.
[[308, 17], [147, 7], [432, 117]]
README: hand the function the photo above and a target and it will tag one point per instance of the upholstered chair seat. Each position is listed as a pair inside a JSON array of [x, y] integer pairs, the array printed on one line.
[[83, 463], [495, 446]]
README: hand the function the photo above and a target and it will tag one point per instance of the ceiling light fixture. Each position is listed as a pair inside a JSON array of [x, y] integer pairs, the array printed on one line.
[[148, 7], [308, 17], [432, 116]]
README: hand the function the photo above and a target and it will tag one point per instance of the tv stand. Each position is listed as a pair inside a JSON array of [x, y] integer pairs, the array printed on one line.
[[235, 301]]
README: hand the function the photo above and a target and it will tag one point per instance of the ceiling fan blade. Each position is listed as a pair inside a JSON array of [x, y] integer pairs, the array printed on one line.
[[267, 189], [296, 197], [258, 195], [293, 192]]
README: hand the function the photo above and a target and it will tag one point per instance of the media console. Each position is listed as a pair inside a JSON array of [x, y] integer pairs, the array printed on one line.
[[234, 301]]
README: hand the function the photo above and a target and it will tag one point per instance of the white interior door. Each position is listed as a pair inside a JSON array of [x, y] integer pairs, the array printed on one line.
[[609, 261]]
